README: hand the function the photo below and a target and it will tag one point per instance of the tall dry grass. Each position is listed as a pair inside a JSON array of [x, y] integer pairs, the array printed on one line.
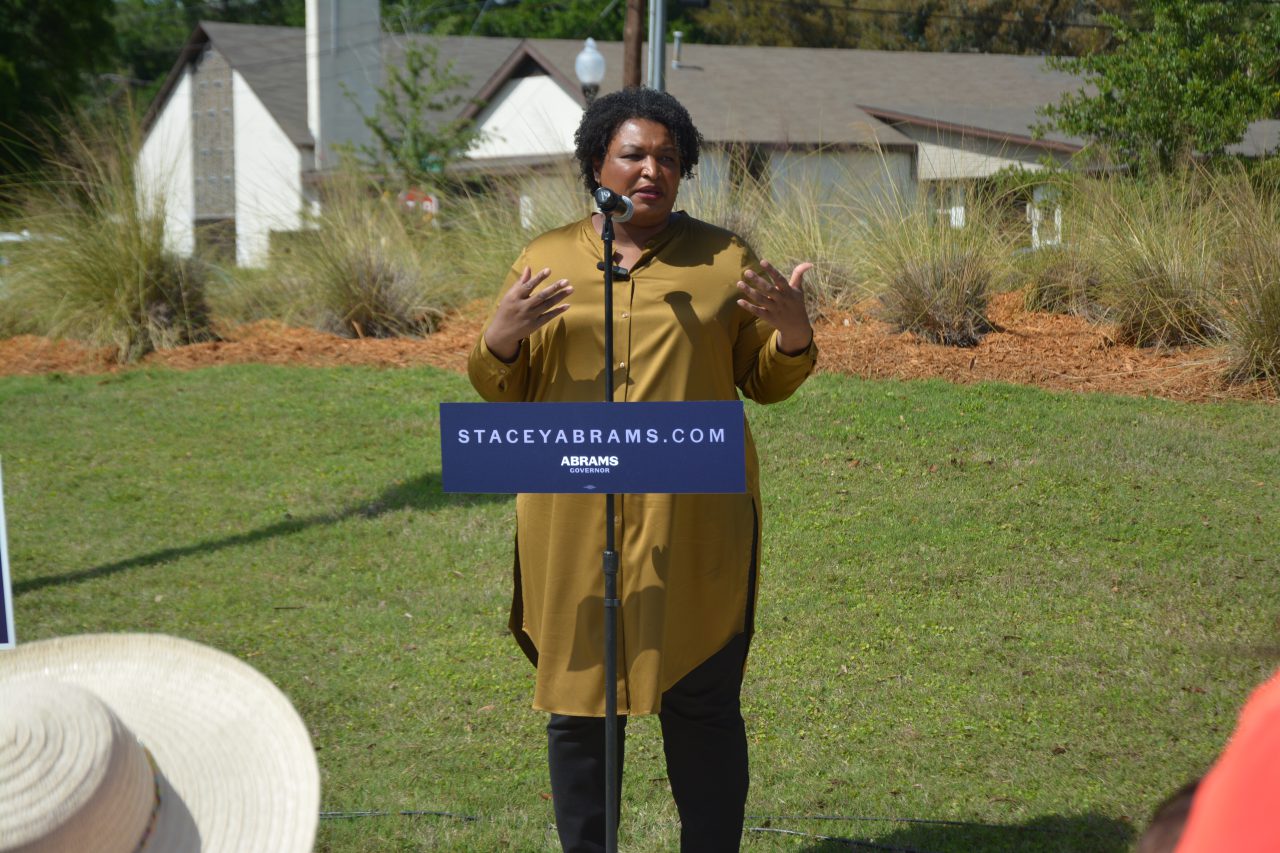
[[98, 269], [1251, 266], [1061, 279], [1177, 260], [1156, 244], [486, 227], [807, 206], [1190, 259], [933, 278], [363, 267]]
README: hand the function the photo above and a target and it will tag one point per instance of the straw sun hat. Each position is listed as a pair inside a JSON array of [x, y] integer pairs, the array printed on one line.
[[144, 743]]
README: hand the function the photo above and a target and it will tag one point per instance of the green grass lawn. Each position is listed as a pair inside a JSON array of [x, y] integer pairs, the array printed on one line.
[[1018, 618]]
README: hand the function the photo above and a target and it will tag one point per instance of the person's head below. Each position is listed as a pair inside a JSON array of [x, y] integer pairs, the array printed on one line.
[[1168, 821], [640, 143]]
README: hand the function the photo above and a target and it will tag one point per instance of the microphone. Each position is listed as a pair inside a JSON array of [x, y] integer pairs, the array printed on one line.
[[614, 204]]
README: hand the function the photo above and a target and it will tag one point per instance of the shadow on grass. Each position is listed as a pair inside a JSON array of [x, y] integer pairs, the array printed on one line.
[[1086, 833], [425, 492]]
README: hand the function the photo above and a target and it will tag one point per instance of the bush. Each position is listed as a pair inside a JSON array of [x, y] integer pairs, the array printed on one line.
[[1251, 302], [364, 269], [486, 225], [793, 208], [943, 299], [933, 279], [99, 271], [1155, 302], [1060, 280], [1155, 242]]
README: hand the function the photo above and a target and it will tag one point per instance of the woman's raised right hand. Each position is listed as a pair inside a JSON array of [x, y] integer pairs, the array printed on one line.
[[521, 312]]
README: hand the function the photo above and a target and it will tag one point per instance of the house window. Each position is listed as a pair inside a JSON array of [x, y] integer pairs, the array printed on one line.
[[948, 200], [1044, 212], [526, 211]]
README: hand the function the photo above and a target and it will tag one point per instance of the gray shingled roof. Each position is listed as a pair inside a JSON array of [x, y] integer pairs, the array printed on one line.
[[752, 94], [735, 93], [758, 94], [473, 58], [273, 61]]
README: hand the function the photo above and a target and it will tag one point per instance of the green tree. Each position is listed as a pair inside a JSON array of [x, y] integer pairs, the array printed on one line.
[[1051, 27], [1190, 84], [48, 51], [793, 23], [568, 19], [150, 33], [415, 139], [508, 18], [988, 26], [996, 26]]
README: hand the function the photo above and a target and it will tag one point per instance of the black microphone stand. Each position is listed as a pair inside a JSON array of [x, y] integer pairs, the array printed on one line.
[[611, 603]]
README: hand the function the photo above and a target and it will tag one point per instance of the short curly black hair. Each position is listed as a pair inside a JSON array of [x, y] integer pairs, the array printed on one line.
[[606, 114]]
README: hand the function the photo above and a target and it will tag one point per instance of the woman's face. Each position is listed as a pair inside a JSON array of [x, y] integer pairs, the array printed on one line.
[[643, 163]]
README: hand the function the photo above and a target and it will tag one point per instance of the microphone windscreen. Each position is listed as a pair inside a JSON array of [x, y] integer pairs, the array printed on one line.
[[613, 204], [628, 210]]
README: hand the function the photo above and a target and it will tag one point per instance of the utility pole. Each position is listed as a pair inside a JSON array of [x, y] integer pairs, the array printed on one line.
[[657, 45], [631, 37]]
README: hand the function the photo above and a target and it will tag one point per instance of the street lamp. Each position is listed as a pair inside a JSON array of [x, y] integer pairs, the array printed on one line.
[[589, 66]]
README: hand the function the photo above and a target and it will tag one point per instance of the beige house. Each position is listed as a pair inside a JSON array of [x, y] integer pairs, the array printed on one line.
[[245, 122]]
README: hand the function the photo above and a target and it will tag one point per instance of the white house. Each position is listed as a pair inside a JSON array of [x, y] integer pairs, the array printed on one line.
[[241, 132]]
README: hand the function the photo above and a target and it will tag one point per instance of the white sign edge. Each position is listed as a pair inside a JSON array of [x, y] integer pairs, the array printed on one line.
[[6, 587]]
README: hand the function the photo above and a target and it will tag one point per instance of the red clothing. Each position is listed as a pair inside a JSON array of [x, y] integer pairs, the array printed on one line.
[[1236, 809]]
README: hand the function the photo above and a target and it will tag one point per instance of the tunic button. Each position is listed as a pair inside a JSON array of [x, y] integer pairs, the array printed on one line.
[[625, 315], [622, 364]]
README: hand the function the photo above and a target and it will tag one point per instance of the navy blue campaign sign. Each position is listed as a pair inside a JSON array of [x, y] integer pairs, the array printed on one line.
[[6, 588], [621, 448]]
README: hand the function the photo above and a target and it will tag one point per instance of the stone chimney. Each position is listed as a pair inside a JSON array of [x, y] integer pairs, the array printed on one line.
[[344, 55]]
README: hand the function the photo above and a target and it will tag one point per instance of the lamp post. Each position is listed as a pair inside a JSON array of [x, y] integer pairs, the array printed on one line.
[[589, 66]]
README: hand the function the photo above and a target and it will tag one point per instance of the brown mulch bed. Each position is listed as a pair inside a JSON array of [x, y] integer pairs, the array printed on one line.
[[1052, 351]]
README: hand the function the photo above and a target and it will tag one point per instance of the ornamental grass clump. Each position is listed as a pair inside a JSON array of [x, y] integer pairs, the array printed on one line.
[[1061, 280], [726, 194], [366, 268], [1251, 301], [796, 207], [942, 298], [1156, 242], [813, 219], [935, 275], [484, 227], [97, 269]]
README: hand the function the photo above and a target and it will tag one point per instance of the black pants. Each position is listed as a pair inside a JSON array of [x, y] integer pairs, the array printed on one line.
[[705, 742]]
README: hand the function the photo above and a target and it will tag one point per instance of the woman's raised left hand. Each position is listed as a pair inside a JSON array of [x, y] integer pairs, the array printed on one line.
[[780, 303]]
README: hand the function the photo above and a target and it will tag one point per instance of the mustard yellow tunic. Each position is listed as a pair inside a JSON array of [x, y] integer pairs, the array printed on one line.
[[687, 563]]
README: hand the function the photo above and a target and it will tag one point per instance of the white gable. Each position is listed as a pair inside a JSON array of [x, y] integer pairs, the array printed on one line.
[[529, 117], [268, 174], [165, 169]]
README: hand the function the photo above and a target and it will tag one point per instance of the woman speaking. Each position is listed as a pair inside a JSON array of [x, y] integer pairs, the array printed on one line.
[[696, 317]]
